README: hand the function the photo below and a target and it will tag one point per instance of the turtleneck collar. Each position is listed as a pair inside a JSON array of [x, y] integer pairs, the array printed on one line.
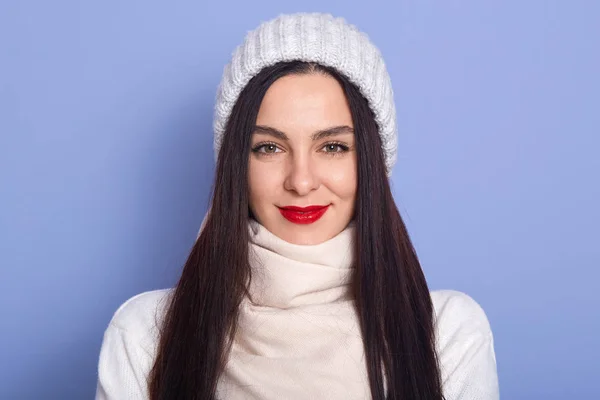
[[287, 275]]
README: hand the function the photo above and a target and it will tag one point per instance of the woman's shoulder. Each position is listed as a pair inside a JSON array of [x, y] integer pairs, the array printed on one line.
[[129, 345], [457, 312], [465, 347], [142, 313]]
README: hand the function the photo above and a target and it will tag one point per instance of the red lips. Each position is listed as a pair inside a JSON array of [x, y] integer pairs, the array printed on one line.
[[303, 215]]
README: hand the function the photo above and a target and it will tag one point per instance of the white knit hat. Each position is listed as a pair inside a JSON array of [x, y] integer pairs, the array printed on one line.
[[312, 37]]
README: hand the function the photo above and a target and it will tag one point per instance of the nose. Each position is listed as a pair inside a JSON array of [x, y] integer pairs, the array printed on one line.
[[302, 176]]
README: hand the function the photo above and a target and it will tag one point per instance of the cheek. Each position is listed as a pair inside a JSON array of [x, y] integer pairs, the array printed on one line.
[[343, 181], [262, 183]]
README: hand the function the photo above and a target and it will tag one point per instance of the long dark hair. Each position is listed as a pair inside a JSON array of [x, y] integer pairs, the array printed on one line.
[[391, 295]]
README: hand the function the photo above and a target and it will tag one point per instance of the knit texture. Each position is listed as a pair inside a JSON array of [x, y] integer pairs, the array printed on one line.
[[312, 37], [298, 334]]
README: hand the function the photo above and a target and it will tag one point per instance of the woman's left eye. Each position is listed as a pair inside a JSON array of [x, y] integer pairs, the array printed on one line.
[[335, 148]]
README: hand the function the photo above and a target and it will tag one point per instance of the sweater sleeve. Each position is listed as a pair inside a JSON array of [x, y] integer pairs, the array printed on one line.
[[123, 367], [128, 348], [466, 349]]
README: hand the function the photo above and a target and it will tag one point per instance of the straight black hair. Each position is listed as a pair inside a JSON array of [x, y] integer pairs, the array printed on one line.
[[392, 299]]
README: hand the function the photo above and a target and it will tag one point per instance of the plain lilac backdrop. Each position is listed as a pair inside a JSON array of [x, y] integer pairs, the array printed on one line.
[[106, 163]]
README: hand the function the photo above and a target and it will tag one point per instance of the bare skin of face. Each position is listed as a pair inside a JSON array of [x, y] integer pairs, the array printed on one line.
[[303, 154]]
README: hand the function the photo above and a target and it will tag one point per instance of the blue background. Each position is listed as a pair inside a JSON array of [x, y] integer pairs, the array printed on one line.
[[106, 163]]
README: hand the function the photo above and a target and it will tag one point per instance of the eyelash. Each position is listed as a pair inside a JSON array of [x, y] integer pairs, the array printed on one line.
[[343, 149]]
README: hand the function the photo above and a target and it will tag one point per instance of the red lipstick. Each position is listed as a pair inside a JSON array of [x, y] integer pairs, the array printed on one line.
[[303, 215]]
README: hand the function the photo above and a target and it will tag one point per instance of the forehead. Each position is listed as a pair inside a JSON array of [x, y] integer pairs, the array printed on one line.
[[302, 104]]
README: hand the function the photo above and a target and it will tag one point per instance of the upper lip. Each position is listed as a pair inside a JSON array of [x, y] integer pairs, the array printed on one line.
[[304, 209]]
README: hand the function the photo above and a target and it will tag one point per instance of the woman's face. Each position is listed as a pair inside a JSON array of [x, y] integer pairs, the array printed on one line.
[[303, 154]]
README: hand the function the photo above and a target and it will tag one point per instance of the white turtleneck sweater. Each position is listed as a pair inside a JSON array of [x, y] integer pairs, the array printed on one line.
[[299, 339]]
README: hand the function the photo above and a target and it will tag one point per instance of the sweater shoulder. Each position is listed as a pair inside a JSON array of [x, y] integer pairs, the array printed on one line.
[[458, 313], [465, 347], [143, 313]]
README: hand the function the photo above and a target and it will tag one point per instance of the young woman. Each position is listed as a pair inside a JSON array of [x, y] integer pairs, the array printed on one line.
[[303, 282]]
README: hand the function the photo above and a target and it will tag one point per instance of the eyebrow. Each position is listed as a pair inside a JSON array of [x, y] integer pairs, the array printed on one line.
[[333, 131]]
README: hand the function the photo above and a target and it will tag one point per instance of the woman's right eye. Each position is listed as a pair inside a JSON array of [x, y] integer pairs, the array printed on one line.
[[266, 148]]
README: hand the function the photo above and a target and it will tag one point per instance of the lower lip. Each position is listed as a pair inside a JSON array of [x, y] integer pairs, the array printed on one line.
[[303, 217]]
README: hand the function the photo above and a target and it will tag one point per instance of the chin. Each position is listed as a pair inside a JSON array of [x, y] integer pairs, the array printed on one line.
[[306, 235]]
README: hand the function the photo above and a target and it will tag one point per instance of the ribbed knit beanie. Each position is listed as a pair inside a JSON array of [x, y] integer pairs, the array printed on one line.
[[312, 37]]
